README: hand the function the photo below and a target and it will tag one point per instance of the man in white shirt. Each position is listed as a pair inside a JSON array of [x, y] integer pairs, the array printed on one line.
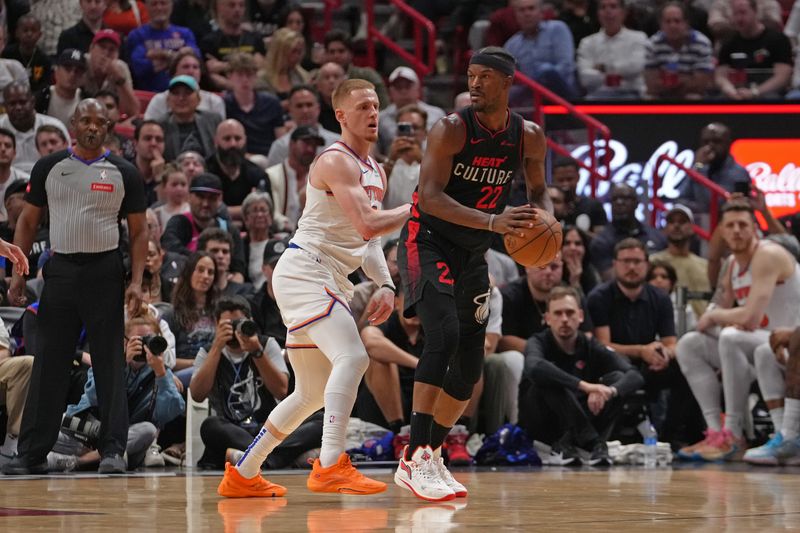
[[288, 178], [22, 119], [611, 62]]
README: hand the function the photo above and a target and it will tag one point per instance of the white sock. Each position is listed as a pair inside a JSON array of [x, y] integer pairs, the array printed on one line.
[[734, 424], [250, 463], [334, 429], [790, 429], [777, 418], [712, 418]]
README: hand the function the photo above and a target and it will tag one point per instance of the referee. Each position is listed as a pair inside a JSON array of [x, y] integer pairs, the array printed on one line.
[[87, 191]]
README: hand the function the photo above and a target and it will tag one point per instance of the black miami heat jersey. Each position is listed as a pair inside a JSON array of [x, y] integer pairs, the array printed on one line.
[[480, 177]]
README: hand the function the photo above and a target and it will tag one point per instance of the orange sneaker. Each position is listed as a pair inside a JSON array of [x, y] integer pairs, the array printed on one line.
[[233, 485], [343, 478]]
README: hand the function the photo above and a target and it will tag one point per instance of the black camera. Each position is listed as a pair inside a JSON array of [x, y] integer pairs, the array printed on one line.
[[244, 326], [155, 343], [405, 129], [85, 430]]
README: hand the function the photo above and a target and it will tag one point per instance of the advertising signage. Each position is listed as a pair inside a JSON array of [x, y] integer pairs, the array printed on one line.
[[767, 144]]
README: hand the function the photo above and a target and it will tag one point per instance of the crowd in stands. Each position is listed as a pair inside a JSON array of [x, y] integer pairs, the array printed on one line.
[[239, 105]]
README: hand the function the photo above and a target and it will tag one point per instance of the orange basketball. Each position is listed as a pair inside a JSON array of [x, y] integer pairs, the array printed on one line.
[[540, 244]]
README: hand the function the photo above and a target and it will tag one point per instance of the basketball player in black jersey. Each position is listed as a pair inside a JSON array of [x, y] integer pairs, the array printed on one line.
[[465, 180]]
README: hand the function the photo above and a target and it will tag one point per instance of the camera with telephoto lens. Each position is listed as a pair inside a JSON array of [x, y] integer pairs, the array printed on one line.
[[84, 429], [244, 326], [155, 343]]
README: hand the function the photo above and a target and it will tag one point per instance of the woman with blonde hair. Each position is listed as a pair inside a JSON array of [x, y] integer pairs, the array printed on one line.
[[282, 69]]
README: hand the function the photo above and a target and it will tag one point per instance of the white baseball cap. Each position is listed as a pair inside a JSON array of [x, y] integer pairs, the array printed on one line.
[[406, 73]]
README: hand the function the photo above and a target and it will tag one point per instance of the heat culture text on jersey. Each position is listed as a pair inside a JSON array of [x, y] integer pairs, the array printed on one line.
[[481, 176], [484, 170]]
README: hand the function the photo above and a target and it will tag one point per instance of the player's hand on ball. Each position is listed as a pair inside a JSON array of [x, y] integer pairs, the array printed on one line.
[[380, 306], [514, 219]]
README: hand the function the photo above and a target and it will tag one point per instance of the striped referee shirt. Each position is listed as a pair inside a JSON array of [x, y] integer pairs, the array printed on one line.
[[86, 199], [695, 54]]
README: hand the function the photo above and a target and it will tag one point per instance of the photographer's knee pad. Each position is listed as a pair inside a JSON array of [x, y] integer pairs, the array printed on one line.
[[441, 342], [466, 370]]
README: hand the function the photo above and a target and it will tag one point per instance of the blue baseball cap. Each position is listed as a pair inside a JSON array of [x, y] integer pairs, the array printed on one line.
[[184, 79]]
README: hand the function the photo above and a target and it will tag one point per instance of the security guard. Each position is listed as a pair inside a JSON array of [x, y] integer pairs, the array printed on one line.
[[87, 190]]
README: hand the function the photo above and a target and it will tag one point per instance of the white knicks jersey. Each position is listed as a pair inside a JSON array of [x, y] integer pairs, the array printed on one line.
[[326, 230]]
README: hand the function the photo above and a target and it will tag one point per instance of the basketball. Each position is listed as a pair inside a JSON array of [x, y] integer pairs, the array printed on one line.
[[540, 244]]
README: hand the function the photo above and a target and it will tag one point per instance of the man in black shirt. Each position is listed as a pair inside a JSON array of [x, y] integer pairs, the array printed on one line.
[[571, 384], [183, 231], [757, 61], [87, 191], [231, 37], [524, 304], [582, 211], [624, 223], [636, 320], [239, 176], [81, 34]]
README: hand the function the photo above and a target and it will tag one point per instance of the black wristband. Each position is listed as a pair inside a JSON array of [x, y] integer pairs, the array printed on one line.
[[390, 287]]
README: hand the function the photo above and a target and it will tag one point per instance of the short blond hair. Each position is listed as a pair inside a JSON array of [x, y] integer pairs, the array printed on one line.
[[346, 88]]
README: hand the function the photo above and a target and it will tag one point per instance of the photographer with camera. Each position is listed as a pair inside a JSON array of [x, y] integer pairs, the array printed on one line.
[[153, 401], [243, 376]]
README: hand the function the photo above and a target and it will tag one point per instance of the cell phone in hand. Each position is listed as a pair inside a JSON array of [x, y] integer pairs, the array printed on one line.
[[742, 187], [405, 129]]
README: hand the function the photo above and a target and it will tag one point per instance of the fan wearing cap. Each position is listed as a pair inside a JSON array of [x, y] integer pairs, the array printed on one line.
[[107, 71], [154, 45], [183, 231], [81, 34], [288, 179], [60, 99], [404, 89], [187, 128], [692, 269]]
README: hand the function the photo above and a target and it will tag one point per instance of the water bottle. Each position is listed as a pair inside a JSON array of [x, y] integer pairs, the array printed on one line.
[[650, 443]]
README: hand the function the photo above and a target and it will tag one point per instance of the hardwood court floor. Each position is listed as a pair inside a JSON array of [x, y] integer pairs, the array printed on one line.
[[708, 499]]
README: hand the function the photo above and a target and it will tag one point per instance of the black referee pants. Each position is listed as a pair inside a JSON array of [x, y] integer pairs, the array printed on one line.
[[80, 290]]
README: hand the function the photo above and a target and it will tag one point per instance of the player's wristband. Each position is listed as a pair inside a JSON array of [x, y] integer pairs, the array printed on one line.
[[491, 222], [390, 287]]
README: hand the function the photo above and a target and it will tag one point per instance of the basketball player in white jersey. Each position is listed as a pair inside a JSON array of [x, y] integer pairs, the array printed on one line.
[[338, 232], [763, 281]]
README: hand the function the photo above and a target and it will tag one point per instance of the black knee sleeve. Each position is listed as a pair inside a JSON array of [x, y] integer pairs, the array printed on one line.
[[466, 370], [437, 314]]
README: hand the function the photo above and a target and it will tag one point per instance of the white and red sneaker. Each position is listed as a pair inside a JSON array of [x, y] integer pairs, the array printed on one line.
[[459, 489], [422, 477]]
